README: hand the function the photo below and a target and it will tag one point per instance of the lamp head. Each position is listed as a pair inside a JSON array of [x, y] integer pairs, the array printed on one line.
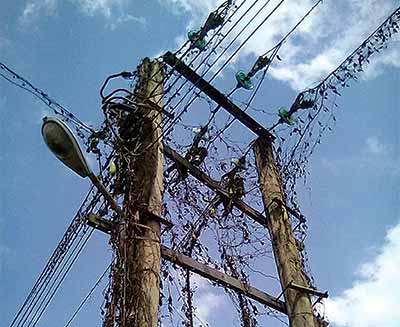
[[62, 142]]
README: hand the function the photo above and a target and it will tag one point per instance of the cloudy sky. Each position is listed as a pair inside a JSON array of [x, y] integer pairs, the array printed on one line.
[[351, 200]]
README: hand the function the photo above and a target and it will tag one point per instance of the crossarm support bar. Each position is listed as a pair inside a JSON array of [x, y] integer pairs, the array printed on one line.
[[308, 290], [216, 276], [214, 185], [222, 279]]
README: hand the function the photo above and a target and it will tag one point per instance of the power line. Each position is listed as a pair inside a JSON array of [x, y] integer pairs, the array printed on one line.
[[78, 309], [61, 276], [274, 49], [296, 26], [14, 78], [237, 35], [225, 35], [55, 283], [55, 259], [347, 70], [57, 262], [243, 43], [191, 101]]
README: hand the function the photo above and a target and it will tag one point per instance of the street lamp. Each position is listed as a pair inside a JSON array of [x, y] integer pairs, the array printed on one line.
[[63, 144]]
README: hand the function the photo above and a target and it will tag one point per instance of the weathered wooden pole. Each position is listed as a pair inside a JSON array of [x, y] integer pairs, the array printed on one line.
[[290, 270], [136, 273]]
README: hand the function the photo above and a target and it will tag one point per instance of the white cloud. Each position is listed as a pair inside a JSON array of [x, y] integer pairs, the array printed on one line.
[[190, 6], [206, 301], [109, 9], [4, 42], [102, 7], [320, 44], [376, 156], [207, 304], [375, 146], [374, 299], [127, 18], [5, 254], [388, 58], [34, 9]]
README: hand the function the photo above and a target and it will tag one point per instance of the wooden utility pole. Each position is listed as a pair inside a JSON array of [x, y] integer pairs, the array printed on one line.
[[136, 273], [290, 270]]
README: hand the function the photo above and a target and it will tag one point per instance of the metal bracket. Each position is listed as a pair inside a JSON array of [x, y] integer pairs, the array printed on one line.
[[107, 226], [158, 218], [300, 217], [154, 106], [320, 295], [308, 290], [100, 223]]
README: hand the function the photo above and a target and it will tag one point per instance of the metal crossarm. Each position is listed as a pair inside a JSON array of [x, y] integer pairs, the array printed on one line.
[[222, 279], [214, 185], [216, 95]]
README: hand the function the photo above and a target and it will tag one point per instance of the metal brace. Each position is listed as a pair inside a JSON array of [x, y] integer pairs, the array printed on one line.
[[158, 218], [304, 289], [300, 217], [107, 226], [320, 295]]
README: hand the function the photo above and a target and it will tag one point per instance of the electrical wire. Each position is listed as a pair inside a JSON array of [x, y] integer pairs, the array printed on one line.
[[57, 256], [297, 25], [246, 40], [346, 70], [248, 104], [170, 73], [40, 297], [50, 294], [205, 58], [237, 35], [42, 96], [275, 49], [89, 294], [218, 44], [167, 128]]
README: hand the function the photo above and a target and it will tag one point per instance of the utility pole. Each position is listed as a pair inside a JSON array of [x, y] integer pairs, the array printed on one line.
[[292, 278], [134, 123], [136, 271]]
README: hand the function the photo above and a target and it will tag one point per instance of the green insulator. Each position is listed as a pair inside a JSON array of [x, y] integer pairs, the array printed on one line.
[[199, 43], [284, 114], [244, 80]]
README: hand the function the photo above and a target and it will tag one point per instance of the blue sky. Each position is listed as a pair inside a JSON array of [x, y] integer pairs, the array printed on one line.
[[352, 196]]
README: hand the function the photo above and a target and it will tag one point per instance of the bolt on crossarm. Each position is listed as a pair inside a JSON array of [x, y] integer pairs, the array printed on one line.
[[290, 270]]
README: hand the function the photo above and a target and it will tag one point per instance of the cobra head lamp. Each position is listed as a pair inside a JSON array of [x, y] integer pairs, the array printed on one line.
[[62, 142]]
